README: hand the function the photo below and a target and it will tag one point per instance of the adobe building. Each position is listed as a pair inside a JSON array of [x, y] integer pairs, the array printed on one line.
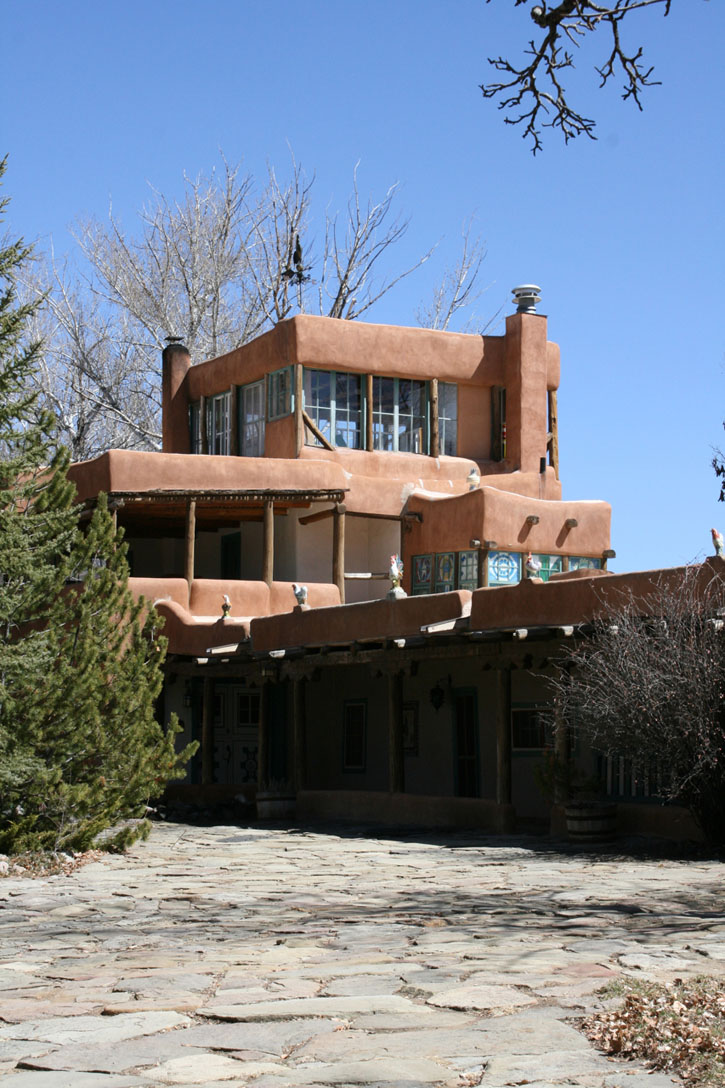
[[307, 460]]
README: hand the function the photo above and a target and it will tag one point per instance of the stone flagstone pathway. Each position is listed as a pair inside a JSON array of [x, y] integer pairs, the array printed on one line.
[[230, 956]]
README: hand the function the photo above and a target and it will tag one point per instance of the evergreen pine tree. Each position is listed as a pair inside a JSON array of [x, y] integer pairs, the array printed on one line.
[[80, 663]]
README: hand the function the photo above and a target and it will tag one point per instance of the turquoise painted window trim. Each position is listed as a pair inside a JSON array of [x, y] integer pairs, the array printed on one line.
[[550, 564], [584, 562]]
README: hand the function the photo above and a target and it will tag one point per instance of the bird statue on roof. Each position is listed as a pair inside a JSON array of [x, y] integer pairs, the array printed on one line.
[[300, 593], [473, 479], [226, 606], [396, 570], [533, 566], [718, 542]]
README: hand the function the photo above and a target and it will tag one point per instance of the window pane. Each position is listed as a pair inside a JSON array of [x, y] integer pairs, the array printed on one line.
[[504, 568], [252, 419], [384, 414]]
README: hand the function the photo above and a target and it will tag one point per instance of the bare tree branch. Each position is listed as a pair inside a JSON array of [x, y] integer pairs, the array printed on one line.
[[650, 686], [533, 91], [458, 289], [216, 268], [347, 284]]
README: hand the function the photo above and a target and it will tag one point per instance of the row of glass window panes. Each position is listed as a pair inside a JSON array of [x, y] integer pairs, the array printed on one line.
[[443, 571], [400, 411], [334, 402]]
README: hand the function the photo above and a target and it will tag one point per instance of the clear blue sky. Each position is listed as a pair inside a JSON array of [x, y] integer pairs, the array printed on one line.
[[625, 235]]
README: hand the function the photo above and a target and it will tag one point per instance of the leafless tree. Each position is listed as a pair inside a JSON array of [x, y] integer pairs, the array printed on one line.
[[349, 284], [533, 90], [459, 289], [216, 268], [649, 685]]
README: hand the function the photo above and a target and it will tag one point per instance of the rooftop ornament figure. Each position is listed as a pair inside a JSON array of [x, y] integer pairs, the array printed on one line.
[[226, 607], [473, 479], [533, 566], [300, 593], [719, 543], [396, 570]]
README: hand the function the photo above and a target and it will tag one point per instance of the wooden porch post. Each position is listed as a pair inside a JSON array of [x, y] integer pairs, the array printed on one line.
[[298, 711], [503, 736], [189, 541], [435, 447], [396, 756], [268, 545], [207, 732], [338, 549]]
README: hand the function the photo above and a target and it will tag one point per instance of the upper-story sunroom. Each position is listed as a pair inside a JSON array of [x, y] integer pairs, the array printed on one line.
[[434, 403]]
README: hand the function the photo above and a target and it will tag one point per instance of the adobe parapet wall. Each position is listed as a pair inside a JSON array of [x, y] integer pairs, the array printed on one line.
[[329, 344], [145, 472], [487, 513]]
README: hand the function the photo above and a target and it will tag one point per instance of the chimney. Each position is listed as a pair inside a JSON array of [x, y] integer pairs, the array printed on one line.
[[175, 363], [526, 297]]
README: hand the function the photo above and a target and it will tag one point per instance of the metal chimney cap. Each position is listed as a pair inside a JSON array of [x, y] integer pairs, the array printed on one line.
[[526, 296]]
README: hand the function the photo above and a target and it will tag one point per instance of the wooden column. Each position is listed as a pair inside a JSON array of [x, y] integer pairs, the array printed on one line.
[[338, 549], [190, 540], [435, 446], [234, 421], [263, 739], [207, 733], [565, 563], [368, 411], [396, 756], [298, 713], [483, 567], [268, 543], [503, 736], [299, 422]]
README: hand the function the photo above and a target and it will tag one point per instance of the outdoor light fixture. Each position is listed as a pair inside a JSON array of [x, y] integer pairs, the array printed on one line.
[[475, 543], [437, 695], [491, 545], [609, 554]]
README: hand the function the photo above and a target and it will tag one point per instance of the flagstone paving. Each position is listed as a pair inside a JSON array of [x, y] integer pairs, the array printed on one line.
[[225, 956]]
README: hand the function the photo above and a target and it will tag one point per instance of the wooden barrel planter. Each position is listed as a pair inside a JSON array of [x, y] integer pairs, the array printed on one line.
[[588, 821]]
